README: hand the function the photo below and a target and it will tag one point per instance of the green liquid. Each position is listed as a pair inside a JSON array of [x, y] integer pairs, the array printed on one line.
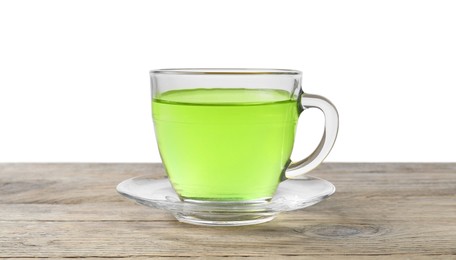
[[225, 144]]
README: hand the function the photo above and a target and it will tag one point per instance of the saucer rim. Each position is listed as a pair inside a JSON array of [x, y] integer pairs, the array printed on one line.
[[169, 205]]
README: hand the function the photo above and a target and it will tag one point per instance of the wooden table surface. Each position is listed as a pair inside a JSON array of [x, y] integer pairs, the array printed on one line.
[[378, 211]]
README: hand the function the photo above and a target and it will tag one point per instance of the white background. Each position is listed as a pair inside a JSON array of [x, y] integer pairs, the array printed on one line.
[[74, 83]]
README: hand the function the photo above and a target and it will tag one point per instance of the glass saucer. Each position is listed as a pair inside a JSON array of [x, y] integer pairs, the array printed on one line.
[[292, 194]]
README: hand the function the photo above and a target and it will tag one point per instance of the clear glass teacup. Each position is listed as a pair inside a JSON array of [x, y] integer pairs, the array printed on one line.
[[226, 135]]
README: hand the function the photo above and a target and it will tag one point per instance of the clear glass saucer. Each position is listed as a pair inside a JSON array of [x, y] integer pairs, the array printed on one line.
[[292, 194]]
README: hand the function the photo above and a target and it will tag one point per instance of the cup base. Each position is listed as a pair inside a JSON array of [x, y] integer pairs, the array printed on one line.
[[224, 219], [225, 213]]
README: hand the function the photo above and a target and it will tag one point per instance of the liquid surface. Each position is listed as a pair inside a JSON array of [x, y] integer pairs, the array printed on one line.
[[225, 144]]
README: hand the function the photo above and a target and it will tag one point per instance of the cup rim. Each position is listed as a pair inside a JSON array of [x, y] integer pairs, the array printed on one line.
[[226, 71]]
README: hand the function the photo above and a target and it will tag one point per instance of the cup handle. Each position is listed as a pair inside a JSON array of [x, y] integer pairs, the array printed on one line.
[[296, 169]]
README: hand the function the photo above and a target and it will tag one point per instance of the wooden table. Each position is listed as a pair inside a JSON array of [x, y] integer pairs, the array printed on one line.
[[379, 210]]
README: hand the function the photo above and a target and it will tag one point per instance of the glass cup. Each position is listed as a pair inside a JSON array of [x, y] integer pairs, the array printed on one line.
[[226, 135]]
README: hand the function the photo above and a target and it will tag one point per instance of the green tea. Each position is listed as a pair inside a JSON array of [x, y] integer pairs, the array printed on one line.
[[225, 144]]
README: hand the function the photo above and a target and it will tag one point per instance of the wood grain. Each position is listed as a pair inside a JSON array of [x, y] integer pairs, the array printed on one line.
[[381, 210]]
